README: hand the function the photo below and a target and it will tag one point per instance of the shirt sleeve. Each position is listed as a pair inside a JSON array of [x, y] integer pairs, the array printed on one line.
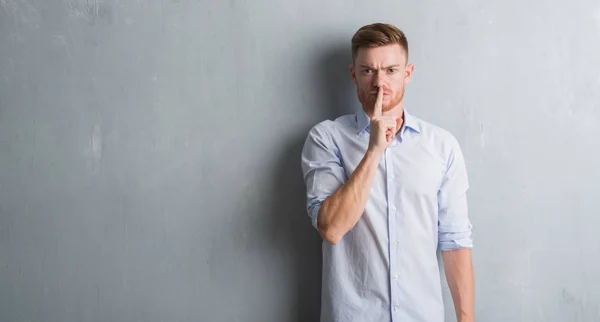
[[322, 168], [454, 226]]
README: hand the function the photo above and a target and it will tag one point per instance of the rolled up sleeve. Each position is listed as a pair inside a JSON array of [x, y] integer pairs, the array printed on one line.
[[454, 225], [321, 167]]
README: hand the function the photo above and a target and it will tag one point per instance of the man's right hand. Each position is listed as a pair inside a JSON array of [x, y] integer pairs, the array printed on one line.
[[342, 210], [383, 128]]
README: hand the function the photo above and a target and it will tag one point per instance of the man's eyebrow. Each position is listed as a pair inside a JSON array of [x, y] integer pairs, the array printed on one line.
[[387, 67]]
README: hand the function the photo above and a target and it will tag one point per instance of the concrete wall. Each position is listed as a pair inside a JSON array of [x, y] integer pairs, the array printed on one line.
[[149, 152]]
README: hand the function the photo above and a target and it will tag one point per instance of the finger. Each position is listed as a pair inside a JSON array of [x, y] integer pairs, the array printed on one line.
[[385, 123], [391, 133], [378, 108], [390, 124]]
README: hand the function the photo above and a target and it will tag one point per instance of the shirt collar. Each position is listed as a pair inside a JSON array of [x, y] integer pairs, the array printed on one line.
[[363, 122]]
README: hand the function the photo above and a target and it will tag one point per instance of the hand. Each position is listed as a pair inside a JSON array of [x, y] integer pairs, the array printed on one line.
[[383, 128]]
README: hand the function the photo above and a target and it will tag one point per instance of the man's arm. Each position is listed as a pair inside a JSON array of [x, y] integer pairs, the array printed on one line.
[[342, 210], [341, 204], [454, 234], [459, 274]]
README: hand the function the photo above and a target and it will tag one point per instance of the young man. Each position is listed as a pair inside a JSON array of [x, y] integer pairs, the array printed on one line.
[[385, 190]]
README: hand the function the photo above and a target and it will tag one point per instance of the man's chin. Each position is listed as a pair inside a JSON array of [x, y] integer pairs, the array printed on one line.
[[369, 104]]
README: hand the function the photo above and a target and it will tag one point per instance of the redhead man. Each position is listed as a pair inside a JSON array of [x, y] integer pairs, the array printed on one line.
[[387, 190]]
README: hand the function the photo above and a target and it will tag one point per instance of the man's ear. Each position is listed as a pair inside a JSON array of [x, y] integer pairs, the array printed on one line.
[[410, 68], [353, 74]]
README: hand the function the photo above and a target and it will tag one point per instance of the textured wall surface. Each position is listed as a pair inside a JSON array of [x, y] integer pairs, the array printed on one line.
[[150, 152]]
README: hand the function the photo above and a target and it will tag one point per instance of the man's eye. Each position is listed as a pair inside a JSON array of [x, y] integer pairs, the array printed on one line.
[[367, 71], [392, 70]]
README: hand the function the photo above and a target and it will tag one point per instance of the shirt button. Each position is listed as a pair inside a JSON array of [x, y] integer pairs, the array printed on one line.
[[393, 208], [396, 242], [396, 276], [395, 307], [392, 176]]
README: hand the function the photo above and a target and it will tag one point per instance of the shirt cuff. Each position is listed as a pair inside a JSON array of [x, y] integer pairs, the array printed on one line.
[[455, 240], [313, 211]]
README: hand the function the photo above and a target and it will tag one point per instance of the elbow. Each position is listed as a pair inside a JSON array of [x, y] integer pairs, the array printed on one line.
[[330, 234], [331, 238], [328, 228]]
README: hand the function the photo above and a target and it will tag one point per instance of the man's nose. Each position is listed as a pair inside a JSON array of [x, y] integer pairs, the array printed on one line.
[[378, 80]]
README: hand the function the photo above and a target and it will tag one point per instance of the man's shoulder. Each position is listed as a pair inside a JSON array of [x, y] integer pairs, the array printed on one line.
[[436, 134], [432, 129], [340, 123], [326, 134]]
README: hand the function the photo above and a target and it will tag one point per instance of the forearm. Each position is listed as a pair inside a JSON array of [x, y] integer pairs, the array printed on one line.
[[459, 274], [342, 210]]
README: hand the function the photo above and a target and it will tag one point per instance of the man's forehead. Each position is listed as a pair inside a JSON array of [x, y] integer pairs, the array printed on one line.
[[384, 55]]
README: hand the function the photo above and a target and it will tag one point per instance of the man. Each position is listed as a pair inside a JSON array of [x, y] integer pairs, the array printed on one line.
[[385, 190]]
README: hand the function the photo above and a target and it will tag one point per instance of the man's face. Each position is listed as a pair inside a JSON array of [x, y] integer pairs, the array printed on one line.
[[381, 67]]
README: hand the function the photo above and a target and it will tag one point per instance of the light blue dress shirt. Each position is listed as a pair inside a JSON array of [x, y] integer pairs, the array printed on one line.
[[386, 267]]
